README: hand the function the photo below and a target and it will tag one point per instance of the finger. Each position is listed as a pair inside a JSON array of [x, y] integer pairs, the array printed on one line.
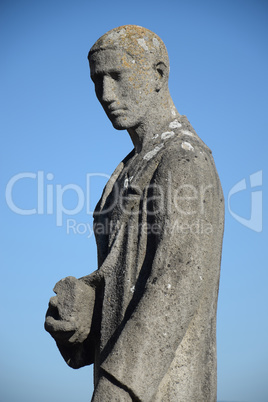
[[53, 326], [53, 302]]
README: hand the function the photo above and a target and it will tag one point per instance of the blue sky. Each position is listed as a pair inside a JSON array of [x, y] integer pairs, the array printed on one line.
[[51, 123]]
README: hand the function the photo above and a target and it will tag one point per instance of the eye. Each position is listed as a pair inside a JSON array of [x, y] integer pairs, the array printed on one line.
[[115, 75]]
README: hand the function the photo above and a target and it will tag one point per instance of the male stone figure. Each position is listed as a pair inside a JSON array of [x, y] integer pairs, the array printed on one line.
[[147, 317]]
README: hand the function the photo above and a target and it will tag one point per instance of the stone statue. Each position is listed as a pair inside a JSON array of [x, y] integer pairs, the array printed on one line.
[[147, 317]]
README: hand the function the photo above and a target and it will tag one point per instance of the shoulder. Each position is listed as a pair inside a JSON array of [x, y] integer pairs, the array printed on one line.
[[186, 156]]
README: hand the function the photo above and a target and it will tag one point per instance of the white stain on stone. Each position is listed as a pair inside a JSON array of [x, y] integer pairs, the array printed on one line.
[[169, 286], [132, 289], [133, 61], [155, 136], [187, 146], [201, 278], [126, 183], [155, 42], [142, 43], [173, 112], [152, 153], [130, 179], [167, 134], [115, 36], [187, 132], [175, 124]]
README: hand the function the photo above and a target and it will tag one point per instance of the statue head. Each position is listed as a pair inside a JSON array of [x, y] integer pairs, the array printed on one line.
[[129, 66]]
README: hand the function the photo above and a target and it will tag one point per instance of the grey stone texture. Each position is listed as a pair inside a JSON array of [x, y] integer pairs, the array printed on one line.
[[147, 317]]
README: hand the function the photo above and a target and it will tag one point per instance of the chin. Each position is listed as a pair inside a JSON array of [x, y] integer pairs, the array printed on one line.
[[120, 124]]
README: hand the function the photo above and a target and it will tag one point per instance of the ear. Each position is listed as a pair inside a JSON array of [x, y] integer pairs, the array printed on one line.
[[161, 75]]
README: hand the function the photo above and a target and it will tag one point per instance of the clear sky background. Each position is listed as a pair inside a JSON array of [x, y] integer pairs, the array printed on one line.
[[51, 123]]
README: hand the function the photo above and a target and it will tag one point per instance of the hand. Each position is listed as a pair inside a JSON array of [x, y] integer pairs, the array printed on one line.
[[69, 315]]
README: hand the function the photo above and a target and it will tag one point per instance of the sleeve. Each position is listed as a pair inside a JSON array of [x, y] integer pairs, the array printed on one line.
[[178, 278]]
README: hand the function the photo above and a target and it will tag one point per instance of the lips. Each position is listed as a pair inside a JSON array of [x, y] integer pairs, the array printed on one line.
[[116, 112]]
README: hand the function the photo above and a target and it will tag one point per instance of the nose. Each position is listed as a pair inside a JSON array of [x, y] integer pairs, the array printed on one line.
[[108, 89]]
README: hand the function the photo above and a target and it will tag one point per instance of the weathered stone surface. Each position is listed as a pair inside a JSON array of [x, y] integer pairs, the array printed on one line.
[[73, 306], [147, 317]]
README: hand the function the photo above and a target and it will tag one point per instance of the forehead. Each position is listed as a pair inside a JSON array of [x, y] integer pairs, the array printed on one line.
[[111, 60]]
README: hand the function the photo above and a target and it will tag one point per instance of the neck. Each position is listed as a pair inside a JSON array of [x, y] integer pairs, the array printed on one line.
[[155, 122]]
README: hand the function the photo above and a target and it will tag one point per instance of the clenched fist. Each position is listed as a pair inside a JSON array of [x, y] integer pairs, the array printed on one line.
[[69, 315]]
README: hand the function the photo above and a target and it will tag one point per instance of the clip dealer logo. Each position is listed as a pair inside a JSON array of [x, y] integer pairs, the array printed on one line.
[[255, 220], [51, 198]]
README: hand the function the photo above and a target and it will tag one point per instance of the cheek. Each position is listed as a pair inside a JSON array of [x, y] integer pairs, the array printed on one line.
[[133, 85]]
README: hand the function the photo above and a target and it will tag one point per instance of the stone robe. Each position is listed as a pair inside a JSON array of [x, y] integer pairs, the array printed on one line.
[[158, 228]]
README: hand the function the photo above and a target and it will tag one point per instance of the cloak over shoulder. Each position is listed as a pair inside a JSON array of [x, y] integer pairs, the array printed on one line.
[[159, 228]]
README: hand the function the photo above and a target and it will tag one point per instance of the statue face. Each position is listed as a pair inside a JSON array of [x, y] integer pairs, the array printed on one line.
[[125, 90]]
